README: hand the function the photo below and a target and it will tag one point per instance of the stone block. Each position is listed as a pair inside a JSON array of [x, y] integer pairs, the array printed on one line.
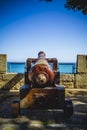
[[67, 77], [10, 81], [7, 77], [67, 80], [81, 63], [81, 80], [3, 63], [69, 85]]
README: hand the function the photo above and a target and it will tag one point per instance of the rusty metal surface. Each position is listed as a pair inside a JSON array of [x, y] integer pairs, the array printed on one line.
[[42, 70], [43, 98], [50, 60], [41, 78]]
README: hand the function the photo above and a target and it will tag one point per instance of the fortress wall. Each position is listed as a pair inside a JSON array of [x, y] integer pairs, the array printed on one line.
[[13, 81], [3, 63], [68, 80]]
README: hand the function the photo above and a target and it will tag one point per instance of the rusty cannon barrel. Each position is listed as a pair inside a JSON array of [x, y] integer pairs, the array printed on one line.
[[41, 73]]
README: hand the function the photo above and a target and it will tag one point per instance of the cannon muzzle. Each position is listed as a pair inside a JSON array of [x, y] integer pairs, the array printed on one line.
[[41, 72], [41, 79]]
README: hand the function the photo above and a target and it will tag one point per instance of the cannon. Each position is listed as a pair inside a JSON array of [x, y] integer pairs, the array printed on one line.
[[42, 89]]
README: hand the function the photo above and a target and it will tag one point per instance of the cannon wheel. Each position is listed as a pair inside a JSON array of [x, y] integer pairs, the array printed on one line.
[[15, 108], [68, 109]]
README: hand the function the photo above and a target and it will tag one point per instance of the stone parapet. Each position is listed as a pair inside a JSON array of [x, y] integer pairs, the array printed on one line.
[[81, 81], [3, 63], [11, 81], [68, 80], [81, 63], [15, 81]]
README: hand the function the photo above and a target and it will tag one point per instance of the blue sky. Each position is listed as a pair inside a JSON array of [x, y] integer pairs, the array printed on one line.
[[29, 26]]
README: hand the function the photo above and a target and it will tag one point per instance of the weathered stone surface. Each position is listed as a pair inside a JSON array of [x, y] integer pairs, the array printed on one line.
[[15, 81], [11, 81], [3, 62], [81, 80], [19, 84], [81, 63], [68, 84], [67, 77], [67, 80]]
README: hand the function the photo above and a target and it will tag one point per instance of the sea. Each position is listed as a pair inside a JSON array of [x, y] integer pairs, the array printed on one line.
[[20, 67]]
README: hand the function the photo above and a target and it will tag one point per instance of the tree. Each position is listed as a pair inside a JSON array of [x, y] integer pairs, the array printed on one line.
[[80, 5]]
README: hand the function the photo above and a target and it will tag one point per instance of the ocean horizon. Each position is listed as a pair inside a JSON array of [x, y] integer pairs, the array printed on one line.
[[20, 67]]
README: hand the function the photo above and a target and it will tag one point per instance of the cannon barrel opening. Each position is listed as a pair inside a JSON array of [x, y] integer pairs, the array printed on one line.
[[41, 71]]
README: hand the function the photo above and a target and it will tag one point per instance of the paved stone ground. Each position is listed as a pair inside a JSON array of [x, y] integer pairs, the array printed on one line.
[[44, 119]]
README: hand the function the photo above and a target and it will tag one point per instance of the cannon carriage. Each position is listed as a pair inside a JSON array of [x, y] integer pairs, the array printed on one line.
[[42, 89]]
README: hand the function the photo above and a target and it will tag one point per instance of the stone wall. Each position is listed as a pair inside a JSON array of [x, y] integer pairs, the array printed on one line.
[[81, 80], [81, 76], [81, 64], [15, 81], [68, 80], [9, 81], [3, 62]]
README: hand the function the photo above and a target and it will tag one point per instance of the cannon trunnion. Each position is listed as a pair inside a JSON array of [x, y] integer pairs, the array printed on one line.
[[42, 89]]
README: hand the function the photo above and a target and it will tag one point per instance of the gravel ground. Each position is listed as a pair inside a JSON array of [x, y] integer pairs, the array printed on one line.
[[44, 119]]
